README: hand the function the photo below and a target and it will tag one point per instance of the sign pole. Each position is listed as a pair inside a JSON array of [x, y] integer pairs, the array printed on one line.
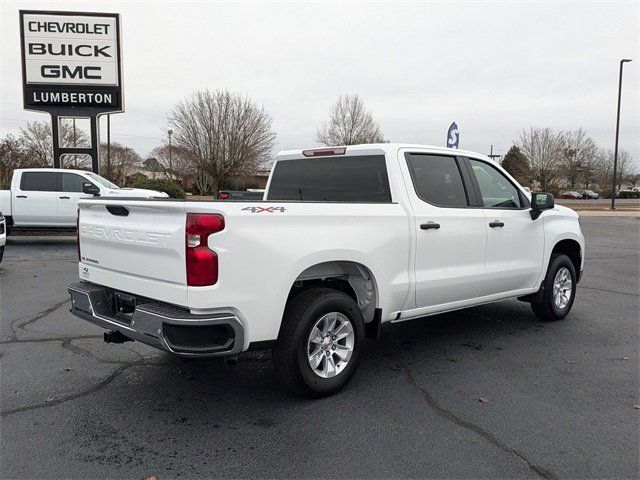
[[109, 144], [55, 139], [95, 145]]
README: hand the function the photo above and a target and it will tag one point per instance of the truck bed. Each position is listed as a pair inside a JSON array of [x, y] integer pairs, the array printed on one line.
[[138, 246]]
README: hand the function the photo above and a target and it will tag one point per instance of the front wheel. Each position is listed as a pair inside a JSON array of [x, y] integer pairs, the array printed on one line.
[[319, 344], [559, 289], [1, 253]]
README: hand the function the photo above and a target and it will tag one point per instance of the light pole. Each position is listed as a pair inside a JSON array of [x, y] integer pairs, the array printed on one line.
[[615, 152], [492, 156], [170, 132]]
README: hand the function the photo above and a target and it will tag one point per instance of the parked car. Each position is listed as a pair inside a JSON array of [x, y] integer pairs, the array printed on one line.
[[571, 195], [629, 194], [3, 235], [587, 194], [48, 197], [241, 195], [346, 239]]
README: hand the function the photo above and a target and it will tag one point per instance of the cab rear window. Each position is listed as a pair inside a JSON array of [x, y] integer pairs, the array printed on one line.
[[357, 179]]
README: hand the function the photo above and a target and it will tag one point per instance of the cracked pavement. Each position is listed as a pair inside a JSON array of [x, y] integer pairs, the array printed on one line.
[[488, 392]]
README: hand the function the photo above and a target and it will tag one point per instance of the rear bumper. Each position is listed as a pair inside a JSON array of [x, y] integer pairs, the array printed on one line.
[[158, 324]]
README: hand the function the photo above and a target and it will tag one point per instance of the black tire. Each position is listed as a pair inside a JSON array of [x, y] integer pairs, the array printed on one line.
[[1, 253], [290, 355], [545, 307]]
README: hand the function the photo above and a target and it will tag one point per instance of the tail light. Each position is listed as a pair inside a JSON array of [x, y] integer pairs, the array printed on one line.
[[202, 262], [224, 195], [78, 235]]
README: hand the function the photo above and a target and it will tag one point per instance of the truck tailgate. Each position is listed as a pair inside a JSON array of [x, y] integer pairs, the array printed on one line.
[[125, 241]]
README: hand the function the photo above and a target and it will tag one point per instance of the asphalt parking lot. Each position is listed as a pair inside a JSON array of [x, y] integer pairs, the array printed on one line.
[[489, 392]]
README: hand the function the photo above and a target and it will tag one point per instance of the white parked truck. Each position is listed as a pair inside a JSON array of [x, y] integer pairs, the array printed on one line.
[[48, 197], [345, 239]]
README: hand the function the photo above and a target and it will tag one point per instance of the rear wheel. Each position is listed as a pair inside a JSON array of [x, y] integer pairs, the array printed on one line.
[[319, 344], [1, 253], [559, 289]]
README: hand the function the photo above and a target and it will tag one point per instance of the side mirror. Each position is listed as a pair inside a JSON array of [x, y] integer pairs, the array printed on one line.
[[539, 203], [90, 189]]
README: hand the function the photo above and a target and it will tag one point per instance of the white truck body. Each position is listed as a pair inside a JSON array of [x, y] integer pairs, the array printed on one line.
[[389, 253], [48, 197]]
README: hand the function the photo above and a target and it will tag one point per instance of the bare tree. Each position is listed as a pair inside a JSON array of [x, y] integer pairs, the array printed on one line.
[[602, 172], [122, 165], [176, 163], [38, 142], [12, 156], [350, 123], [544, 147], [579, 156], [226, 133], [624, 168]]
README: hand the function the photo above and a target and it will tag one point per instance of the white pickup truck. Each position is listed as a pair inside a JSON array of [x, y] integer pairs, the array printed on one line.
[[48, 197], [345, 239]]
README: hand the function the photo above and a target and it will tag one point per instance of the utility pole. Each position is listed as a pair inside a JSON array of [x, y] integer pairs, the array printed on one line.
[[615, 152], [170, 132], [492, 156]]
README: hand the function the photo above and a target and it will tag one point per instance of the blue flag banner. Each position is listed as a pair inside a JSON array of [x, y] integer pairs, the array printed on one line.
[[453, 136]]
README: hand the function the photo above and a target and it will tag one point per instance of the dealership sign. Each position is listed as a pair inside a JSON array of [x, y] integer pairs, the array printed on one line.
[[71, 62]]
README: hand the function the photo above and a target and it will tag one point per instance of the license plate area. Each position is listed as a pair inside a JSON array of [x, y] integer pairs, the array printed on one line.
[[125, 305]]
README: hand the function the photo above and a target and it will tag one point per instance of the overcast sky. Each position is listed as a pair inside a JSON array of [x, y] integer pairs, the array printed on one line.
[[493, 67]]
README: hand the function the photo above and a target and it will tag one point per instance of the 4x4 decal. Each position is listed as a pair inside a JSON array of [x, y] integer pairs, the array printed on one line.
[[265, 209]]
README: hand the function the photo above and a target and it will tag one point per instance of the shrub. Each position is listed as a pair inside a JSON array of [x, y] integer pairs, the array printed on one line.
[[239, 183], [167, 186], [606, 193], [552, 189]]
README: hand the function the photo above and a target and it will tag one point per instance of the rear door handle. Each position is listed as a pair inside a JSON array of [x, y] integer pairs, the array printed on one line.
[[64, 198], [497, 223], [429, 226], [21, 196]]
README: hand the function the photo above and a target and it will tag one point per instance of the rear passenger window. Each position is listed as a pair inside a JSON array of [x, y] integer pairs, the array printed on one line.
[[335, 179], [437, 180], [39, 182]]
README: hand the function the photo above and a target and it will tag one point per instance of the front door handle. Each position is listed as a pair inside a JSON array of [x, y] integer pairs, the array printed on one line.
[[429, 226], [21, 196], [64, 198], [497, 223]]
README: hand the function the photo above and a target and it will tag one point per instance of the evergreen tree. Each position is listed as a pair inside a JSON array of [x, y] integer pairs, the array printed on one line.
[[517, 164]]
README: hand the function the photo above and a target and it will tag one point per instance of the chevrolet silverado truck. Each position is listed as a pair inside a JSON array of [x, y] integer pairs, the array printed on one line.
[[346, 239], [47, 198]]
